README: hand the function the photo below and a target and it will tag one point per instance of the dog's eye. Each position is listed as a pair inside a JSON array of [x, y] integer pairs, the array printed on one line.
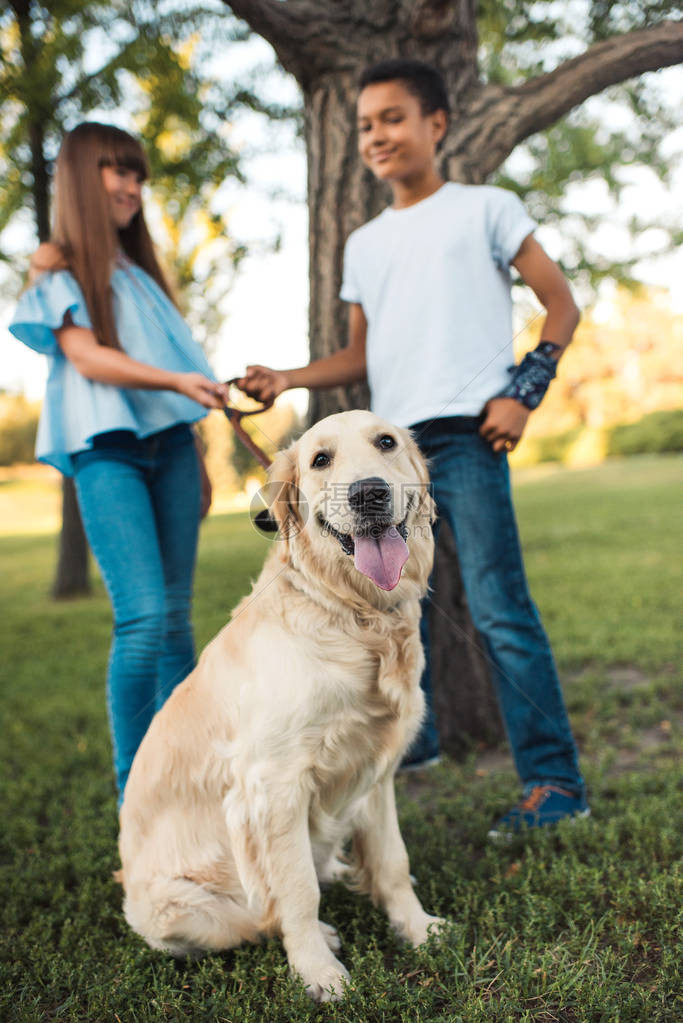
[[321, 460], [386, 442]]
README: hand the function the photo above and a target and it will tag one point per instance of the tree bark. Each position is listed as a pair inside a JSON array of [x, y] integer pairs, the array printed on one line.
[[72, 578], [342, 195], [41, 181], [325, 44], [465, 704]]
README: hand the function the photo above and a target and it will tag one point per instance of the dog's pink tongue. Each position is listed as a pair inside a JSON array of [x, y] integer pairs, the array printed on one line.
[[381, 558]]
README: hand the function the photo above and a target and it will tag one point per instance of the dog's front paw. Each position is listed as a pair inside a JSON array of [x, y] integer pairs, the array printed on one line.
[[327, 984], [419, 929]]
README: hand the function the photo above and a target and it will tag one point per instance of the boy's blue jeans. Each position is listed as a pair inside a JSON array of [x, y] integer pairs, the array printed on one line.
[[471, 487], [140, 503]]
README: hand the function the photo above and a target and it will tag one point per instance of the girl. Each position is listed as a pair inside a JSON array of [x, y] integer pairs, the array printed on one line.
[[125, 382]]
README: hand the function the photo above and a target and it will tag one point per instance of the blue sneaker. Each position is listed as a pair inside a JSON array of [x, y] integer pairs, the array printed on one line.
[[545, 805], [424, 752]]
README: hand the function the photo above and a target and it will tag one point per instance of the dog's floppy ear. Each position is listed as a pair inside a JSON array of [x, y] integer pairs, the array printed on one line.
[[265, 522], [419, 465], [284, 497]]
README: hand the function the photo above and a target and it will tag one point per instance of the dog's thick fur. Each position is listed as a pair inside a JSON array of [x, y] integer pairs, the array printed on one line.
[[283, 742]]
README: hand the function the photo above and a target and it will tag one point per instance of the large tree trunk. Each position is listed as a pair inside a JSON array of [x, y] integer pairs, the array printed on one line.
[[341, 196], [325, 44]]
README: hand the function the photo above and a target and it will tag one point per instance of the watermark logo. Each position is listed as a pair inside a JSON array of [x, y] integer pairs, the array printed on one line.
[[279, 510], [370, 513]]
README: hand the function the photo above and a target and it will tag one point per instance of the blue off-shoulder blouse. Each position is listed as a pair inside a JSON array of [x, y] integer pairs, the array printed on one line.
[[150, 329]]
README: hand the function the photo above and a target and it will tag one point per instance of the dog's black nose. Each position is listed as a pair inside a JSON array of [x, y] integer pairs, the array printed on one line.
[[370, 497]]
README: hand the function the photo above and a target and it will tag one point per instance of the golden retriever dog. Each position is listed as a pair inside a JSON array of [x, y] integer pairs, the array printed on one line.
[[271, 767]]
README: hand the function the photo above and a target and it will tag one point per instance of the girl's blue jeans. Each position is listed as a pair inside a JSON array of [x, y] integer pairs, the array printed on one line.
[[471, 487], [140, 502]]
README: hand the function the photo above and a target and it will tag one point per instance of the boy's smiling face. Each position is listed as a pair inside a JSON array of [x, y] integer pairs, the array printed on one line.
[[396, 140]]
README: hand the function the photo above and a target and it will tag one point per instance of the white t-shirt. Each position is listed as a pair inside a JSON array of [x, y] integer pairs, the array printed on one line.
[[433, 281]]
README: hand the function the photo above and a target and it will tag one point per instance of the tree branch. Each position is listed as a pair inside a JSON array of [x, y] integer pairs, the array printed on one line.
[[496, 119], [308, 36], [270, 18], [547, 98]]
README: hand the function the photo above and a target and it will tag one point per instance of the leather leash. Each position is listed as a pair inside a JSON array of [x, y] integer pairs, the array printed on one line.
[[235, 415]]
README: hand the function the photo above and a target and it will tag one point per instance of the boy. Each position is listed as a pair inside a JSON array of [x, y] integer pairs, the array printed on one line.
[[430, 324]]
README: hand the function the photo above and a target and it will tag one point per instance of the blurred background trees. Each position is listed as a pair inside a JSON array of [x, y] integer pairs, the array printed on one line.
[[68, 61]]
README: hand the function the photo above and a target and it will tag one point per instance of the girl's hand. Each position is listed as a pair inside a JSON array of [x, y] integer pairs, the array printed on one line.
[[201, 389], [263, 383], [504, 422]]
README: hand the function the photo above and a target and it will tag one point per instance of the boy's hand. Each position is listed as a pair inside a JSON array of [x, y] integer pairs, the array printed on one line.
[[504, 422], [262, 383]]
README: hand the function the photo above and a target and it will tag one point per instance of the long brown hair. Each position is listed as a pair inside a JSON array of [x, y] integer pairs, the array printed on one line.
[[83, 240]]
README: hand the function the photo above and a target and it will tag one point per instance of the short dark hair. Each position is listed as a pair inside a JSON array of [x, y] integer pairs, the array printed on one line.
[[422, 80]]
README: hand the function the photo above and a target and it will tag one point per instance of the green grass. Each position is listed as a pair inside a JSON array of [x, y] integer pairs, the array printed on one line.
[[602, 549], [576, 926], [30, 505]]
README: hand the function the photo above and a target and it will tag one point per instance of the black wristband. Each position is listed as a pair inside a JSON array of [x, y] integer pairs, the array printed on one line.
[[530, 380]]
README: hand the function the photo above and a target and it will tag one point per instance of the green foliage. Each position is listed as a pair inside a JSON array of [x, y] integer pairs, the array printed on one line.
[[555, 446], [18, 428], [576, 925], [623, 128], [657, 432], [512, 32], [45, 83], [602, 552], [69, 61]]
